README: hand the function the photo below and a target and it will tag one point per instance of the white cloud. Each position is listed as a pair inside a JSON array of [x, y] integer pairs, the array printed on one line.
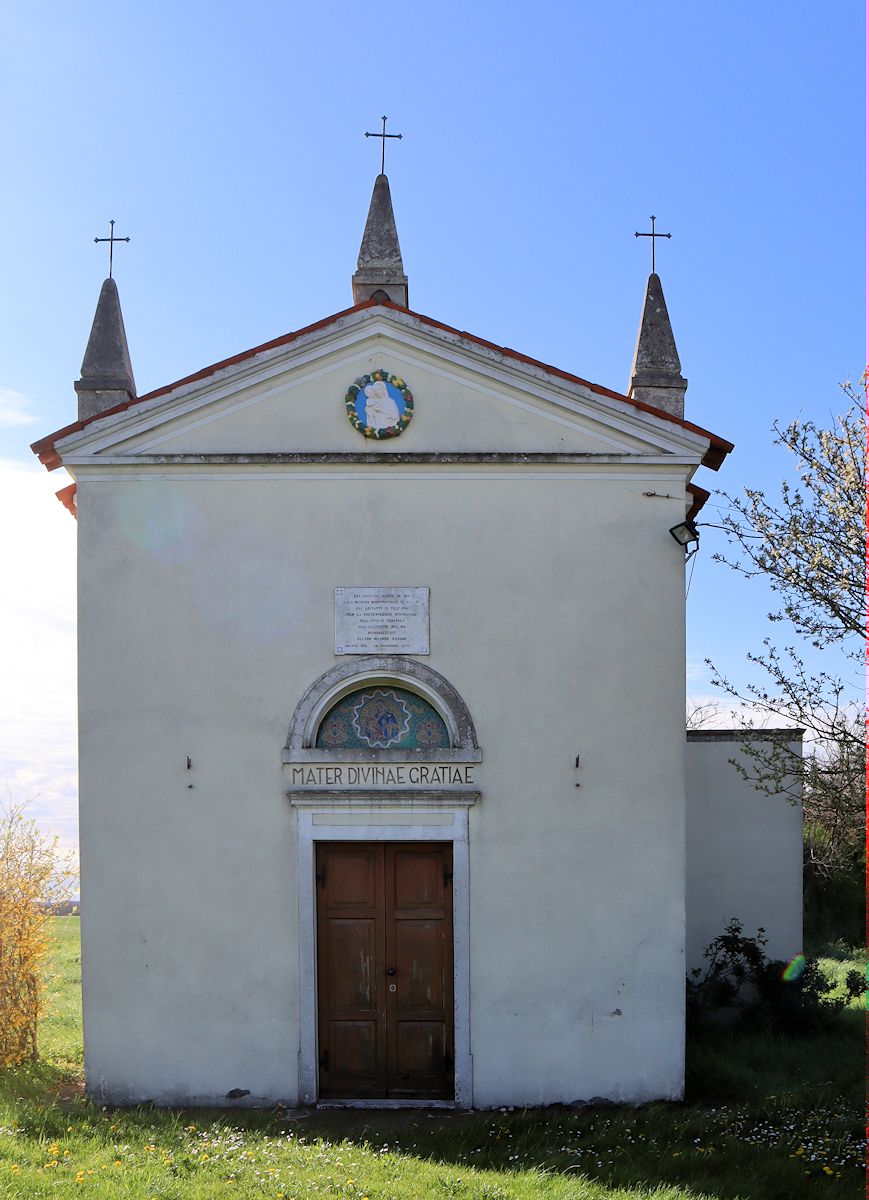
[[38, 740], [717, 712], [723, 712], [15, 409], [696, 671]]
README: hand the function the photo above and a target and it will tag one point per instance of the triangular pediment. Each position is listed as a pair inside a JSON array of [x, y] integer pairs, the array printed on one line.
[[469, 398]]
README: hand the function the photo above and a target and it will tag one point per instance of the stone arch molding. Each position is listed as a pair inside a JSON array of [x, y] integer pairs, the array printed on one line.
[[370, 671]]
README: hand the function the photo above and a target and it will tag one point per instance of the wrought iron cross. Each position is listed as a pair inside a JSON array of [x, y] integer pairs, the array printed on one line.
[[111, 239], [383, 136], [653, 235]]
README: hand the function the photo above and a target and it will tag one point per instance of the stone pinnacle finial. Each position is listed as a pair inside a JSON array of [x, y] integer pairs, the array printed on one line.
[[379, 271], [106, 370], [656, 375]]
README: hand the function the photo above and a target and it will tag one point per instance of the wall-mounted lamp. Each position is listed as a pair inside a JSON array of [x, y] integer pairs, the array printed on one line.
[[685, 533]]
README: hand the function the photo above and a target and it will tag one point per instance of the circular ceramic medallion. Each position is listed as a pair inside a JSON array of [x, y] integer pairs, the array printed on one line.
[[380, 718], [379, 405]]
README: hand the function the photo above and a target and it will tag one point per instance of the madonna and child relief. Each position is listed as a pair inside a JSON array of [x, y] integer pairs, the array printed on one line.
[[379, 405], [380, 408]]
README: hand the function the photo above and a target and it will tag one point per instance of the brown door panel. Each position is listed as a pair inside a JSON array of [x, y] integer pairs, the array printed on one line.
[[419, 948], [351, 875], [421, 969], [421, 1069], [384, 967], [417, 879], [351, 956], [350, 971], [353, 1063]]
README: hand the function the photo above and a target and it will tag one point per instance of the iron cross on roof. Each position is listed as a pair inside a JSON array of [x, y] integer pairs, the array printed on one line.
[[111, 239], [653, 235], [384, 135]]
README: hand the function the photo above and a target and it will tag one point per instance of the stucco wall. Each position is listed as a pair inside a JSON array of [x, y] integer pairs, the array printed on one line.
[[745, 851], [206, 609]]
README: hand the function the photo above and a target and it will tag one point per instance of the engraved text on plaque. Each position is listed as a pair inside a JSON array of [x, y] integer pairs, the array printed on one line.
[[381, 620]]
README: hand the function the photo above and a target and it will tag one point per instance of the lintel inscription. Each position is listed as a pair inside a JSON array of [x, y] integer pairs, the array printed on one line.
[[386, 775]]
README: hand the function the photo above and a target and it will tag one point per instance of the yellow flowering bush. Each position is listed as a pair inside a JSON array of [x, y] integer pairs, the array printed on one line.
[[33, 876]]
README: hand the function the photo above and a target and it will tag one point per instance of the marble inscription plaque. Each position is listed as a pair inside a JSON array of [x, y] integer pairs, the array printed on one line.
[[381, 620]]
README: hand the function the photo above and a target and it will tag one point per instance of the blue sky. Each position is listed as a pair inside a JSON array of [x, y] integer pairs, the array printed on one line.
[[227, 141]]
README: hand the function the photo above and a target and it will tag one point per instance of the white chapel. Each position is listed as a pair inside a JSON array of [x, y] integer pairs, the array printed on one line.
[[384, 789]]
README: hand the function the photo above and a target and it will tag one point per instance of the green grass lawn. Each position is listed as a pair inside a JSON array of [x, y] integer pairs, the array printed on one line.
[[60, 1041], [766, 1119]]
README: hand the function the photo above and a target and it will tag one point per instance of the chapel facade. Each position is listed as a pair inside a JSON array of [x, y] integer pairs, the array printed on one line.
[[382, 682]]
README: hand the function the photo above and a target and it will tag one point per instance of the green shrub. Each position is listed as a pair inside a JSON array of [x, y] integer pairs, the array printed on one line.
[[835, 906], [742, 984]]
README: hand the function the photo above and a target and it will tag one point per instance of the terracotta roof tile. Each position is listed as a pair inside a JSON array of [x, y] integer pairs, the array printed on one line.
[[67, 498]]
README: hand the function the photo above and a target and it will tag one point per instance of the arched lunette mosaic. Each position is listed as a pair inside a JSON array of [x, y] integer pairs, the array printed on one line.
[[382, 717]]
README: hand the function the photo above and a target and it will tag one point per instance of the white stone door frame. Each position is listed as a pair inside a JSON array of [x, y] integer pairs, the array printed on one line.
[[394, 817]]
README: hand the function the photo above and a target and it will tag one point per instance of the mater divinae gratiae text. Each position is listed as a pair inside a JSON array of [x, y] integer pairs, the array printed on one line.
[[397, 775]]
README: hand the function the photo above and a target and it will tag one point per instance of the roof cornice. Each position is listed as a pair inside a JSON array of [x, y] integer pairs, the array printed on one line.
[[46, 448]]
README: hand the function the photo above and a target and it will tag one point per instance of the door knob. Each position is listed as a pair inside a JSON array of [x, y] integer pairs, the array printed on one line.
[[390, 970]]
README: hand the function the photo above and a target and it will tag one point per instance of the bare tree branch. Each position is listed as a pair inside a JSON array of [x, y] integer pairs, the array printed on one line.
[[699, 714], [809, 544]]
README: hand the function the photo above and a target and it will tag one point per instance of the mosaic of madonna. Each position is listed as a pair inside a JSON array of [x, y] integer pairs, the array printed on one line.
[[382, 718]]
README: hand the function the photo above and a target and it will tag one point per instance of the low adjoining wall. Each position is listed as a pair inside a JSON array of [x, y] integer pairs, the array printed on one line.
[[744, 848]]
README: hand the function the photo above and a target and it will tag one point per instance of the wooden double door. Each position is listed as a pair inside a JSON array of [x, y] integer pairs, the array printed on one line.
[[385, 970]]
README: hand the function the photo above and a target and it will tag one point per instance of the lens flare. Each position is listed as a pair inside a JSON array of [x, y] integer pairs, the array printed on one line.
[[794, 969]]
